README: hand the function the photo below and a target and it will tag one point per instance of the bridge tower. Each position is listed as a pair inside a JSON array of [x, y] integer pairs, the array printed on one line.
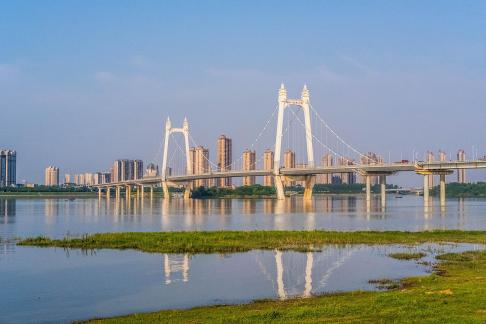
[[169, 130], [304, 103]]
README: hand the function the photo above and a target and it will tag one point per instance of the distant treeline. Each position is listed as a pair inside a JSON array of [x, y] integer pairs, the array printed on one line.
[[259, 190], [463, 190]]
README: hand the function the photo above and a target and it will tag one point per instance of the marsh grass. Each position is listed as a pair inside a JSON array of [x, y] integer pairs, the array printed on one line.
[[407, 255], [242, 241]]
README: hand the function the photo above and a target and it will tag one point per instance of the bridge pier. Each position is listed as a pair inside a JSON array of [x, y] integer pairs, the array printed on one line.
[[165, 189], [442, 190], [279, 187], [187, 190], [128, 192], [117, 192], [99, 192], [426, 190], [108, 193], [309, 185], [368, 190], [383, 190], [151, 192]]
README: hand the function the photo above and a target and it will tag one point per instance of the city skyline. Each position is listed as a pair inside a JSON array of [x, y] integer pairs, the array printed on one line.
[[409, 69]]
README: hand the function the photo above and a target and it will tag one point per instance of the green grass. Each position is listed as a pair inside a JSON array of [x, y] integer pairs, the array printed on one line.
[[241, 241], [455, 294], [407, 255]]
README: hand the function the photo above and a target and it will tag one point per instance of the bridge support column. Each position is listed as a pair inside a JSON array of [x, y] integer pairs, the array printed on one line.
[[142, 193], [118, 192], [99, 192], [383, 190], [187, 190], [442, 190], [151, 192], [128, 192], [368, 189], [309, 185], [279, 187], [426, 190], [165, 189], [108, 193]]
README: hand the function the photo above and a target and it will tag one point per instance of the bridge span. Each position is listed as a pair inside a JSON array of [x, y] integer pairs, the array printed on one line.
[[281, 174]]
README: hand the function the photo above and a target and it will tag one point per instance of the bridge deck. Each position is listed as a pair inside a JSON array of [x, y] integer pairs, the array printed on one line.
[[363, 169]]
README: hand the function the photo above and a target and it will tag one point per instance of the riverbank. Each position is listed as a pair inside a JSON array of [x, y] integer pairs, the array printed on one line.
[[455, 292], [241, 241]]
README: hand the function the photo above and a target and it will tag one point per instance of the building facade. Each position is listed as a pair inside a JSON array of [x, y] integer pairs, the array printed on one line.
[[224, 158], [326, 161], [289, 162], [346, 177], [199, 159], [51, 176], [137, 169], [268, 157], [249, 163], [8, 168], [123, 170]]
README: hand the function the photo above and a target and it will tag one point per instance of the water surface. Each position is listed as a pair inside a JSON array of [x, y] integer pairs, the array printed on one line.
[[60, 217], [52, 285]]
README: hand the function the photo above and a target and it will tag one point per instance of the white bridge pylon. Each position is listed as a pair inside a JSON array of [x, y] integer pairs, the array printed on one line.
[[304, 103], [169, 130]]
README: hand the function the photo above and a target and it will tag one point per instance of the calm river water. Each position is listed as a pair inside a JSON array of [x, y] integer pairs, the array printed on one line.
[[52, 285]]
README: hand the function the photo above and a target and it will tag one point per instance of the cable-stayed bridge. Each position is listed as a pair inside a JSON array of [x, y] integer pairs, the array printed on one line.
[[328, 142]]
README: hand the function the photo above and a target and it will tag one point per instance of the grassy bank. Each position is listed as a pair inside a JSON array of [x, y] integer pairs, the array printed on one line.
[[456, 293], [240, 241]]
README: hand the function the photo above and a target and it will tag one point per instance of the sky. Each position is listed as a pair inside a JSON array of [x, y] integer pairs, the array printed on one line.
[[83, 83]]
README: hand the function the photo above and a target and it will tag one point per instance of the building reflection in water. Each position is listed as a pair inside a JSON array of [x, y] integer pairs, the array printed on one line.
[[174, 265], [7, 210]]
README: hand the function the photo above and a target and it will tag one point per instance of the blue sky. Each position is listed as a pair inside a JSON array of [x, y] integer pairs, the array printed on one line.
[[86, 82]]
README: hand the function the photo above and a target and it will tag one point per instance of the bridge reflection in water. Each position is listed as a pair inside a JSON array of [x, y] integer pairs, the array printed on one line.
[[292, 273]]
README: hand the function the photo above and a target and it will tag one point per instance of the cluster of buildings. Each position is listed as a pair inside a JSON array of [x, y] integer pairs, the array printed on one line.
[[121, 170]]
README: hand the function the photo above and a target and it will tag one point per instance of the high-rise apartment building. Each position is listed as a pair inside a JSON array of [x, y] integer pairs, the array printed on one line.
[[326, 161], [51, 176], [461, 173], [123, 170], [224, 158], [249, 161], [442, 156], [67, 178], [289, 162], [8, 168], [268, 158], [199, 159], [116, 171], [137, 169], [430, 177]]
